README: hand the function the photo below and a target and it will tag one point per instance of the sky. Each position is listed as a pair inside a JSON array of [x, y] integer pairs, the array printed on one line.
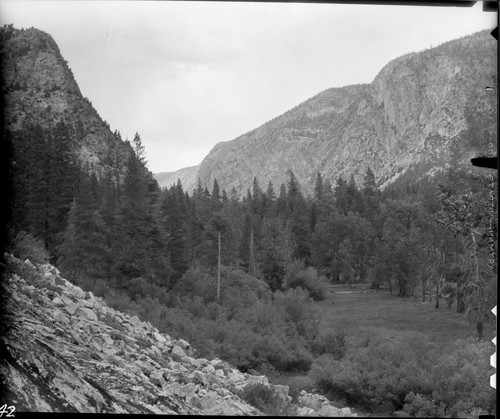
[[187, 75]]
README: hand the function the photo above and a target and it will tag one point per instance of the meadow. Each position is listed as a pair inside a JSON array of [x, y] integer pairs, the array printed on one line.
[[363, 314], [400, 357]]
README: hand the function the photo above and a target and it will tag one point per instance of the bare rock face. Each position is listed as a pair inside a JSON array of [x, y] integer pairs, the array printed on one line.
[[68, 352], [39, 89], [187, 176], [409, 117]]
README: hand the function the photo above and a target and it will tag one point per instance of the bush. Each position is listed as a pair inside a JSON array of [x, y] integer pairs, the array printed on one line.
[[420, 406], [138, 288], [26, 246], [309, 280], [299, 311], [196, 282], [334, 344], [267, 399], [414, 375]]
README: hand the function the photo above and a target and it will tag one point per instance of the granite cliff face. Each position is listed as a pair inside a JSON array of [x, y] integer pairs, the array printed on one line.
[[67, 351], [39, 88], [407, 118], [186, 175]]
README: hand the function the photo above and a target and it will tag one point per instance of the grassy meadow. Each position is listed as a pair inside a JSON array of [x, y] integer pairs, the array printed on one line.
[[399, 344], [363, 314]]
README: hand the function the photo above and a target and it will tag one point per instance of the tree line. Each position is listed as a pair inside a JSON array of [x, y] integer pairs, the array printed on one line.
[[430, 237]]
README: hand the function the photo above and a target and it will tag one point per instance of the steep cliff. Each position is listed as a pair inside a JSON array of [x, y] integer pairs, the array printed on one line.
[[408, 118], [39, 88], [67, 351]]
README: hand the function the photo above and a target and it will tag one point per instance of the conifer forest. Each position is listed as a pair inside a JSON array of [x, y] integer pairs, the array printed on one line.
[[239, 277]]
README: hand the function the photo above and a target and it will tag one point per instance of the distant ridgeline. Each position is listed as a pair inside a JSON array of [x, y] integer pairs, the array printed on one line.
[[403, 125], [362, 184]]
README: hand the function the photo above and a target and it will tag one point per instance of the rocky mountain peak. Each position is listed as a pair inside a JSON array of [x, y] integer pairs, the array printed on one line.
[[39, 89], [406, 120], [67, 351]]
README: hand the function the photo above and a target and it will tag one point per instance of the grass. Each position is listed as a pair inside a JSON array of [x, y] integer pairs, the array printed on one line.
[[366, 314]]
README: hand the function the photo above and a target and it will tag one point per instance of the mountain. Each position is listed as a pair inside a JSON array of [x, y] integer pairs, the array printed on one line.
[[187, 176], [67, 351], [404, 123], [39, 88]]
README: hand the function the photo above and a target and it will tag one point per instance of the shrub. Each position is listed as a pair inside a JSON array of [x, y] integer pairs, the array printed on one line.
[[138, 288], [197, 282], [267, 399], [310, 281], [417, 405], [414, 375], [334, 344], [27, 246], [299, 310]]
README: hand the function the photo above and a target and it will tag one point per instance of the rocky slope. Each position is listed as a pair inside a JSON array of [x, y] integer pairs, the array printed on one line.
[[187, 176], [406, 119], [67, 351], [39, 88]]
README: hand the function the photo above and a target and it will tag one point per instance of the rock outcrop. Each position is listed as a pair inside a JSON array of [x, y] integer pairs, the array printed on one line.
[[405, 121], [67, 351], [39, 89]]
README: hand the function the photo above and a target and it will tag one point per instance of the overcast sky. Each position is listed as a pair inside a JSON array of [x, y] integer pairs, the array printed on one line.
[[187, 75]]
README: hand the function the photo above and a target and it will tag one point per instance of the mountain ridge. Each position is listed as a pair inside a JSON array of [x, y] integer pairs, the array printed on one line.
[[387, 125]]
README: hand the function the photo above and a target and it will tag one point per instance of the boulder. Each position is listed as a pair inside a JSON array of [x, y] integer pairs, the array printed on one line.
[[159, 337], [257, 379], [306, 411], [57, 301], [29, 264], [71, 308], [314, 401], [209, 369], [199, 378], [235, 376], [78, 292], [59, 316], [86, 313], [145, 367], [156, 377], [195, 401], [213, 380], [223, 391], [185, 346], [346, 411], [59, 282], [215, 362], [154, 351], [329, 410], [107, 339], [110, 352], [178, 354]]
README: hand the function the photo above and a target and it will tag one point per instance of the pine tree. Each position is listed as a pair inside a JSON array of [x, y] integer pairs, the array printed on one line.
[[84, 252], [282, 201], [371, 196], [62, 178], [175, 210], [318, 187], [340, 195]]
